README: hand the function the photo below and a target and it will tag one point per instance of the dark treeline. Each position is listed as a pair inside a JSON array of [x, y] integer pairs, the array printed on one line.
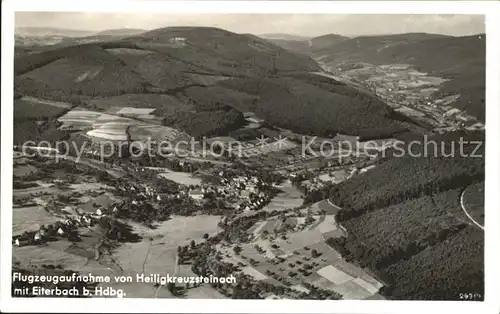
[[420, 171], [206, 123], [306, 108], [400, 222]]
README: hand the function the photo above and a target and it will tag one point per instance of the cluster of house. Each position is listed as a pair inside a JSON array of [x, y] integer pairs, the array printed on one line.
[[62, 227], [143, 193], [244, 189]]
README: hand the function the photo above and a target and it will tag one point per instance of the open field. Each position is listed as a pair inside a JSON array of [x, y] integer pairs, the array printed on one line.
[[157, 252], [289, 198], [113, 127], [30, 218], [151, 101], [183, 178], [28, 107], [53, 253]]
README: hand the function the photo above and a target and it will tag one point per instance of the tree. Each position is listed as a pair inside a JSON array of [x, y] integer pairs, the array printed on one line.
[[237, 250], [192, 244], [205, 236]]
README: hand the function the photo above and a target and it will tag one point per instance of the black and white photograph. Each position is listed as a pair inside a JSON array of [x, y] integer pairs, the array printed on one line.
[[249, 156]]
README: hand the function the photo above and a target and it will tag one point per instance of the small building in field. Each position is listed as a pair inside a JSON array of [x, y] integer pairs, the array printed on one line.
[[196, 194]]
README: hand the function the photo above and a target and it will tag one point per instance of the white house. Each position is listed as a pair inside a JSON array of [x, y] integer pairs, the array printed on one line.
[[196, 194], [60, 231], [98, 212]]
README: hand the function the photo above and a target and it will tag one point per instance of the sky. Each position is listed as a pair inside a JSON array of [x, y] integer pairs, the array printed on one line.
[[258, 24]]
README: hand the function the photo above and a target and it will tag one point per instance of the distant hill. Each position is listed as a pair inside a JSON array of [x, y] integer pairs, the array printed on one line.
[[459, 59], [121, 32], [51, 31], [298, 46], [285, 37], [307, 45], [368, 48], [214, 71], [321, 42]]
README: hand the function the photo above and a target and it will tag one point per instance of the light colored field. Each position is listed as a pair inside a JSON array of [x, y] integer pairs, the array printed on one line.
[[138, 101], [156, 253], [275, 146], [107, 136], [350, 290], [327, 225], [181, 178], [88, 75], [349, 268], [135, 111], [254, 273], [286, 200], [324, 283], [299, 240], [80, 116], [258, 228], [367, 286], [46, 102], [409, 111], [38, 255], [334, 275], [104, 200], [300, 288], [271, 225], [104, 119], [30, 218], [204, 292], [181, 230]]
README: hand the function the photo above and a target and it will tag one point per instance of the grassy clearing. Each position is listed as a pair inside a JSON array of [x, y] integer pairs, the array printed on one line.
[[30, 218], [28, 107], [204, 292], [160, 102], [50, 254], [181, 178]]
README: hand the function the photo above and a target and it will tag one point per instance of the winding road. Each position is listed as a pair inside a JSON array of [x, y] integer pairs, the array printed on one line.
[[462, 205]]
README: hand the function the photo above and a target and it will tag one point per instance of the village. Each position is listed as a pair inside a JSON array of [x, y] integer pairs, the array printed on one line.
[[410, 93], [134, 200]]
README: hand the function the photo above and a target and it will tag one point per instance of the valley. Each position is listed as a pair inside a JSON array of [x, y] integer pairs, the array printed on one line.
[[197, 151]]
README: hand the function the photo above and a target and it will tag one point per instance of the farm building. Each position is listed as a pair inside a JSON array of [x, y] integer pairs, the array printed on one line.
[[196, 194]]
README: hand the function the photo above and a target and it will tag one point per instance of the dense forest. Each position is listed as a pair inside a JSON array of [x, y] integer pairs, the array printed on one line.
[[404, 219], [411, 172], [306, 108]]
